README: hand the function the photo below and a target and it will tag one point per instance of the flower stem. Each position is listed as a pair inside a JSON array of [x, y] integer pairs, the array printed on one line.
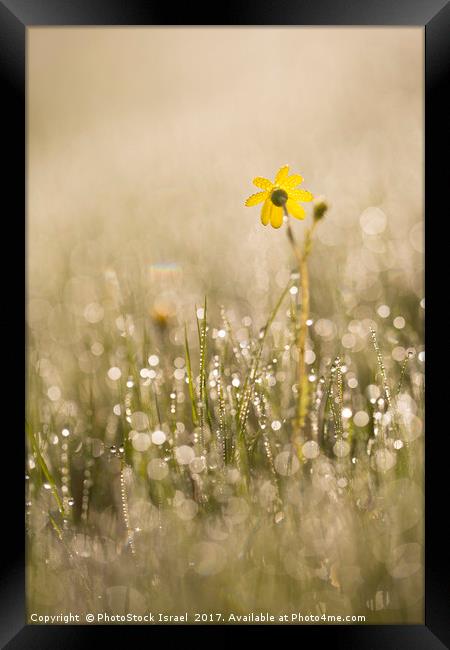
[[302, 331]]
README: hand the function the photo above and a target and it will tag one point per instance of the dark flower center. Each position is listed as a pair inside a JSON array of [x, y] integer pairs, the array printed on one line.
[[279, 197]]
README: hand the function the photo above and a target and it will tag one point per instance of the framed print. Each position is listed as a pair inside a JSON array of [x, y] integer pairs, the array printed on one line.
[[226, 418]]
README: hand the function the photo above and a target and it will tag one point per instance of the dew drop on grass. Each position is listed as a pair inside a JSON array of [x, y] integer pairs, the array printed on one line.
[[197, 465], [157, 469], [373, 221], [341, 448], [287, 463], [114, 373], [97, 349], [141, 441], [139, 421], [398, 353], [184, 454], [158, 437], [311, 449], [97, 447], [373, 392], [54, 393], [383, 311]]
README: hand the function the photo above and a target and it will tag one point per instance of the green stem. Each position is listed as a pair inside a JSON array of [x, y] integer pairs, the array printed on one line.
[[302, 331]]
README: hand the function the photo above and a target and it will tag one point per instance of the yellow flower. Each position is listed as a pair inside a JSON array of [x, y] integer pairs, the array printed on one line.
[[278, 194]]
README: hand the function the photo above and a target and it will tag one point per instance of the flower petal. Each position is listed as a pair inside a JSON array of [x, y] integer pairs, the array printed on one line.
[[293, 180], [265, 212], [263, 183], [295, 210], [282, 175], [300, 195], [276, 215], [254, 199]]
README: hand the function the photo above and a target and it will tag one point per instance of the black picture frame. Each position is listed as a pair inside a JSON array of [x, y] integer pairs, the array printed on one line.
[[15, 17]]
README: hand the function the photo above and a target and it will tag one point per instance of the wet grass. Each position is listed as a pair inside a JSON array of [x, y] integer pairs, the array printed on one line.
[[166, 470]]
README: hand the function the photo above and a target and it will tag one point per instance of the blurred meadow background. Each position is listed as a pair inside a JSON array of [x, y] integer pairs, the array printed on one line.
[[165, 471]]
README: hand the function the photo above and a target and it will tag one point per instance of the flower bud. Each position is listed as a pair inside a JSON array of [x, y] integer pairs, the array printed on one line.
[[320, 206]]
